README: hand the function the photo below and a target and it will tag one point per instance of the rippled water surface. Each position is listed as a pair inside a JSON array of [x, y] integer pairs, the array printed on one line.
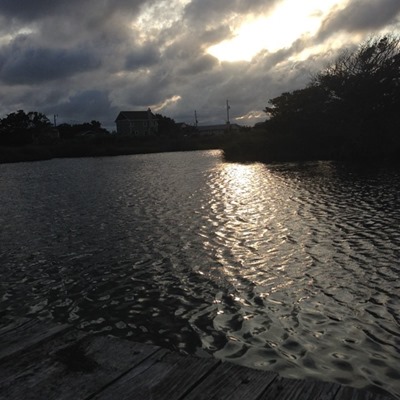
[[290, 267]]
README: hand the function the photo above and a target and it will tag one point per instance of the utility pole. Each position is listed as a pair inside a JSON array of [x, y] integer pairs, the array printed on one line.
[[228, 123], [195, 119], [55, 120]]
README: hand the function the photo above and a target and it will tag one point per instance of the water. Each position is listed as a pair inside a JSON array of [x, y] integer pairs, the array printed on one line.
[[290, 267]]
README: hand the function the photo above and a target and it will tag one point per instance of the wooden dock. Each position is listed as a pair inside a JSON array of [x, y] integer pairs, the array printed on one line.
[[39, 360]]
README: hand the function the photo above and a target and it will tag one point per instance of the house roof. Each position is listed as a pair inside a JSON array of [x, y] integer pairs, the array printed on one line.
[[135, 115]]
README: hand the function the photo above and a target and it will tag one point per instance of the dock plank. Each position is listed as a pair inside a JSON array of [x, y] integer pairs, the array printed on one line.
[[349, 393], [289, 389], [23, 334], [164, 375], [233, 382], [69, 367], [47, 361]]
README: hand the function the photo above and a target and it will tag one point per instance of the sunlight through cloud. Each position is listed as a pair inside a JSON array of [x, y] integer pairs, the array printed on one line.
[[251, 115], [157, 17], [288, 21], [9, 37], [166, 103]]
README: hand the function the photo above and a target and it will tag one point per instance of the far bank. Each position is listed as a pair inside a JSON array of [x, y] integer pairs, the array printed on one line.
[[103, 146]]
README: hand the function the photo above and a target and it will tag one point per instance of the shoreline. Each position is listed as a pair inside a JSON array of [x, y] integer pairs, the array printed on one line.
[[109, 148], [234, 148]]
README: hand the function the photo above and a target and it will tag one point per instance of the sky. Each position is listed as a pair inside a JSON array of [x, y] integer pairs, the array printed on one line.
[[88, 60]]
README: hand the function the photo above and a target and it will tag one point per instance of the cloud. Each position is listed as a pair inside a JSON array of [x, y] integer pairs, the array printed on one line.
[[141, 57], [27, 10], [87, 60], [167, 103], [361, 16], [204, 62], [214, 35], [86, 105], [23, 63], [211, 13]]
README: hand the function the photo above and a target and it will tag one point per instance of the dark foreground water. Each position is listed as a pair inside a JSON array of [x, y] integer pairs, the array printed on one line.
[[291, 267]]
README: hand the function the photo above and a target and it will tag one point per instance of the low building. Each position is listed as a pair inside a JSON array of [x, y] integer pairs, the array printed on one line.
[[217, 129], [137, 123]]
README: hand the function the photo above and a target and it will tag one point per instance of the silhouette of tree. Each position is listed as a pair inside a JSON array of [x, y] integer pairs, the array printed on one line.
[[299, 111], [365, 85], [166, 126], [68, 131], [352, 105], [19, 128]]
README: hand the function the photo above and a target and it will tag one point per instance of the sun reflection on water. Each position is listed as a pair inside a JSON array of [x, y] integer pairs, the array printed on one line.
[[247, 235], [240, 228], [240, 178]]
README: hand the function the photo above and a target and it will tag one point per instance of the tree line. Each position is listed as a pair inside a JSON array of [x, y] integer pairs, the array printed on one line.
[[20, 128], [31, 136], [349, 110]]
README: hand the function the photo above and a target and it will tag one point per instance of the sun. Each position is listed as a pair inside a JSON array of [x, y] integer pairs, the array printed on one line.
[[288, 21]]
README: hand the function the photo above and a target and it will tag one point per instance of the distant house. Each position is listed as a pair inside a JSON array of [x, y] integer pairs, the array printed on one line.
[[137, 123], [186, 129], [217, 129], [182, 126]]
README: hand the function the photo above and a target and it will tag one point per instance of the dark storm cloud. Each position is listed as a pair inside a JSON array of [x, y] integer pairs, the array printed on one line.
[[86, 105], [141, 57], [201, 64], [361, 16], [23, 62], [147, 89], [66, 23], [28, 10]]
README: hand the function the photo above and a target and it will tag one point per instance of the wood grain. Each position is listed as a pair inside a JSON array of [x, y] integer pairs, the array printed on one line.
[[42, 360]]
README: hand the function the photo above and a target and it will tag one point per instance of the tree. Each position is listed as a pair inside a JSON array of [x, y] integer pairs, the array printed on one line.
[[166, 126], [365, 88], [21, 121], [352, 104], [68, 131], [19, 128], [300, 111]]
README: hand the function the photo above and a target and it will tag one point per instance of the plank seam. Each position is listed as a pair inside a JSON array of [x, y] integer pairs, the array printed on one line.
[[16, 325], [102, 389], [336, 394], [202, 379], [62, 329], [264, 392]]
